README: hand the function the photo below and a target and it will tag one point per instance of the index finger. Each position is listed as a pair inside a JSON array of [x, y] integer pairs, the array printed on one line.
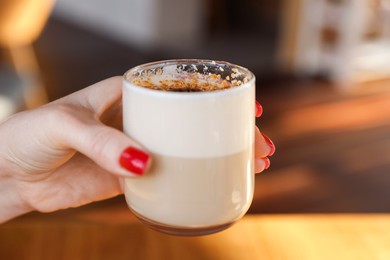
[[100, 96]]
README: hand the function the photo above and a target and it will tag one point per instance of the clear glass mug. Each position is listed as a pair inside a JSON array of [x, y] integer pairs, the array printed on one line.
[[198, 123]]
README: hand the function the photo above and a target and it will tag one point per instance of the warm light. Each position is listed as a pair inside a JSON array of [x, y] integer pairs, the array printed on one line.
[[7, 107], [21, 21], [350, 115]]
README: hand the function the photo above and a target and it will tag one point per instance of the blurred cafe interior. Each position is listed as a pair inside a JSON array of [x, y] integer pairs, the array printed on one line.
[[322, 76]]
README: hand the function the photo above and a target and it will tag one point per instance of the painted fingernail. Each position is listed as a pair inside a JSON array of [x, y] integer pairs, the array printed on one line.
[[270, 143], [267, 163], [259, 109], [134, 160]]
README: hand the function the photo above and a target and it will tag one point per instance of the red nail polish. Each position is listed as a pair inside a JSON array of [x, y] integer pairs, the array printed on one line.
[[267, 163], [270, 143], [259, 109], [134, 160]]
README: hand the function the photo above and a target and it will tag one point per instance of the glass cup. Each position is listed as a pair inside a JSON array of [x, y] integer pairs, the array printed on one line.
[[197, 119]]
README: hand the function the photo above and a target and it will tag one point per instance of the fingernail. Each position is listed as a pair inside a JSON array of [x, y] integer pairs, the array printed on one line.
[[267, 163], [134, 160], [270, 143], [259, 109]]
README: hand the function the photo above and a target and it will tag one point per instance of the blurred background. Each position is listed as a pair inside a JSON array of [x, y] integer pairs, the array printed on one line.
[[322, 69]]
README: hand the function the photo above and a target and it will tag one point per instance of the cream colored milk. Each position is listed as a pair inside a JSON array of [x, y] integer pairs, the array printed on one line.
[[194, 192]]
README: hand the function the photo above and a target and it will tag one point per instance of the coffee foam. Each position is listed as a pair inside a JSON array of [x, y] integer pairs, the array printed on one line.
[[189, 77], [191, 83]]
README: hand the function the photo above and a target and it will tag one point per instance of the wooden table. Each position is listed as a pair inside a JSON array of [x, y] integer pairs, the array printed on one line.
[[116, 235]]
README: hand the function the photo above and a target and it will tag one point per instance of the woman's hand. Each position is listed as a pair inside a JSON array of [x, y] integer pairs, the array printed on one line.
[[71, 152], [264, 147], [67, 153]]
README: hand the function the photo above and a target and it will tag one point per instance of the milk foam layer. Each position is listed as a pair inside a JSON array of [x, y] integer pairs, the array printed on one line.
[[197, 124], [194, 192]]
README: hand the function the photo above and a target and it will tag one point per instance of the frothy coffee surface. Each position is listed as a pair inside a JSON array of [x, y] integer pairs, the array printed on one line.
[[189, 78], [192, 83]]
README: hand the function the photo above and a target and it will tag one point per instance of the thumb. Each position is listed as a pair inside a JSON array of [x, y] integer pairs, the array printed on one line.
[[108, 147]]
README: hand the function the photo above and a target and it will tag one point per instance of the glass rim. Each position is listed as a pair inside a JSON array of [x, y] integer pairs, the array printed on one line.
[[247, 72]]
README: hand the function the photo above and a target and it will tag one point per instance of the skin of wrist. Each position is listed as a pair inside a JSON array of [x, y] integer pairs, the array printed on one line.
[[11, 203]]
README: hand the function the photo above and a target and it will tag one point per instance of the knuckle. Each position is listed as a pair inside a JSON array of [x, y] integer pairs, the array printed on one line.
[[60, 113], [99, 141], [65, 122]]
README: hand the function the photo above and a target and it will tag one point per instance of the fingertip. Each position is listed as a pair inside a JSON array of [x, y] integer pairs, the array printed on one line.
[[262, 164], [135, 161], [267, 163], [270, 144], [259, 109]]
